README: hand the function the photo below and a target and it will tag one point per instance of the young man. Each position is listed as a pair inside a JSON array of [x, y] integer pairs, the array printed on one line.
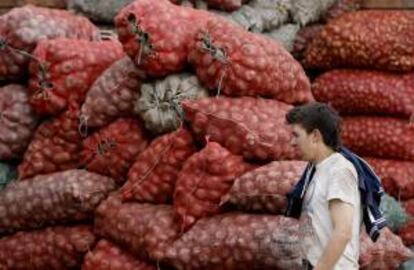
[[331, 213]]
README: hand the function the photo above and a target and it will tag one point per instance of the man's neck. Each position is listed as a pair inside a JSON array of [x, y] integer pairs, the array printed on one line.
[[323, 154]]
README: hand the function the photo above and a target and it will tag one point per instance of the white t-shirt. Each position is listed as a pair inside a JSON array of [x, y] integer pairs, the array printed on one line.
[[334, 178]]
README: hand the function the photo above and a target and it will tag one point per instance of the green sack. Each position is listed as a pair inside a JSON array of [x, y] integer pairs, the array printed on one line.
[[393, 212]]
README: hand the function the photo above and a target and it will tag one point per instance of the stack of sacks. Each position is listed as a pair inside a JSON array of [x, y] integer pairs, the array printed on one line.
[[186, 128], [369, 78]]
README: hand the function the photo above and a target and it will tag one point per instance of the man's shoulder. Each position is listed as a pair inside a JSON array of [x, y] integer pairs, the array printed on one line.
[[343, 165]]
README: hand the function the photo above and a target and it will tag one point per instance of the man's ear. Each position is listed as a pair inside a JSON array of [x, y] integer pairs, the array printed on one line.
[[317, 136]]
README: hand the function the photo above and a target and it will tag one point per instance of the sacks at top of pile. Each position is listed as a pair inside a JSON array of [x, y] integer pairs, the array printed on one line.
[[64, 69], [21, 29], [240, 63], [349, 41], [367, 92], [225, 56]]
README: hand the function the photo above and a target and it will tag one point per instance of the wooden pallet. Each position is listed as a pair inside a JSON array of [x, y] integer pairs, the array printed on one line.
[[388, 4]]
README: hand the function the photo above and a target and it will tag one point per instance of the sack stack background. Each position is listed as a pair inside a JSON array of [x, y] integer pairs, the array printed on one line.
[[151, 134]]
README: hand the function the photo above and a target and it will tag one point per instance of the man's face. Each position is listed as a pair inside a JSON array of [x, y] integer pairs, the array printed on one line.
[[303, 142]]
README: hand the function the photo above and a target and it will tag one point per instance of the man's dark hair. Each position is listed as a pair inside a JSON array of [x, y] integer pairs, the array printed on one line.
[[318, 116]]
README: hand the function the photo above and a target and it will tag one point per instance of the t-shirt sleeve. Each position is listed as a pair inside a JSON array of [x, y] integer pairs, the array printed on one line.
[[343, 185]]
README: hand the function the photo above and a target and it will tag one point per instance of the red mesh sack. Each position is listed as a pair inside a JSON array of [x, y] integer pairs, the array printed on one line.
[[363, 92], [409, 206], [112, 150], [304, 38], [204, 179], [252, 127], [152, 177], [107, 256], [397, 176], [239, 63], [144, 29], [64, 70], [55, 146], [144, 229], [265, 188], [51, 199], [341, 7], [387, 253], [382, 137], [22, 28], [17, 121], [407, 233], [238, 241], [350, 41], [113, 94], [53, 248]]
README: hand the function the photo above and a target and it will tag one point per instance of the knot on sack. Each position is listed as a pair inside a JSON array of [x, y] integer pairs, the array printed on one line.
[[218, 53], [105, 145], [175, 102], [45, 86], [142, 38]]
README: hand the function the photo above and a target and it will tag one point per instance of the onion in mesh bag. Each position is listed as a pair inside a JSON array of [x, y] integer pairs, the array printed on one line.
[[238, 241], [53, 248], [265, 188], [113, 94], [146, 230], [204, 179], [51, 199], [153, 176], [21, 29]]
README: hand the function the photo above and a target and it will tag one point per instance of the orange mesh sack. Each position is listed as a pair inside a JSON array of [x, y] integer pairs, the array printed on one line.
[[239, 241], [387, 253], [265, 188], [145, 30], [21, 29], [239, 63], [107, 256], [397, 176], [204, 179], [146, 230], [50, 199], [153, 175], [252, 127], [51, 248], [363, 92], [349, 41], [113, 94], [55, 146], [17, 121], [112, 150], [65, 69], [381, 137]]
